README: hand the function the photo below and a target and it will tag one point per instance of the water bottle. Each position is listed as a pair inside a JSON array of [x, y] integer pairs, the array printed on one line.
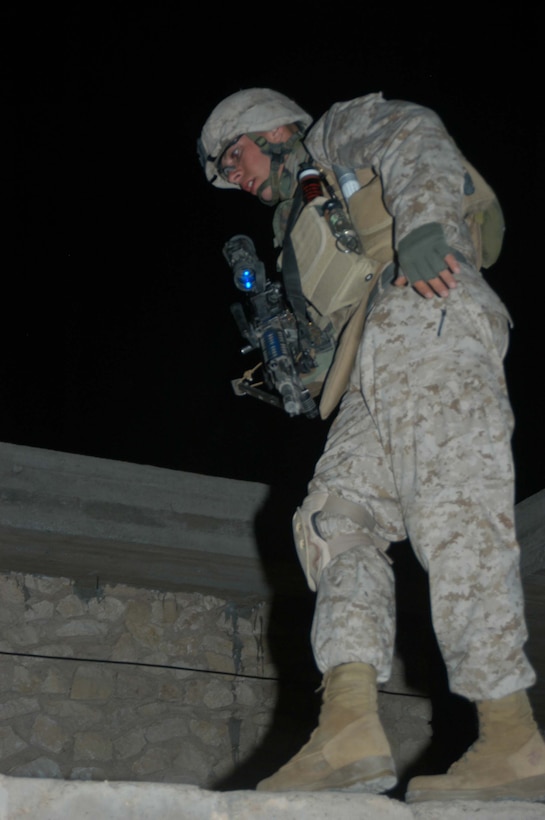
[[348, 181]]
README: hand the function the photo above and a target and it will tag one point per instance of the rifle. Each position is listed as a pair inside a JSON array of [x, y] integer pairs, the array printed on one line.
[[268, 325]]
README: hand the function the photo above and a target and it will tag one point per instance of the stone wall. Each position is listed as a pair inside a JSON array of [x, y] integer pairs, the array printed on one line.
[[141, 685], [130, 684]]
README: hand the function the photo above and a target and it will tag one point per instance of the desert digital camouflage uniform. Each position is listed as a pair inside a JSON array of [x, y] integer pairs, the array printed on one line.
[[422, 437]]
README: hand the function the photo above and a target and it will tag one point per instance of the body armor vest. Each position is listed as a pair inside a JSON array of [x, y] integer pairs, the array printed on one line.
[[338, 285]]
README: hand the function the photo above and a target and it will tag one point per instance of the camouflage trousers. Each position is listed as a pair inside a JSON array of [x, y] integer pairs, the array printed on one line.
[[422, 441]]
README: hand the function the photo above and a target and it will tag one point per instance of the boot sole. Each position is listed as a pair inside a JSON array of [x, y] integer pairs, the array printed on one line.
[[531, 789], [370, 775]]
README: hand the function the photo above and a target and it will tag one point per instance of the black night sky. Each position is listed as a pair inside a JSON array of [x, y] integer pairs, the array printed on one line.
[[116, 333]]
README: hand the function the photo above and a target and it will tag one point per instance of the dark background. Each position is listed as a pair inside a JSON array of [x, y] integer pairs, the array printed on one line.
[[116, 335]]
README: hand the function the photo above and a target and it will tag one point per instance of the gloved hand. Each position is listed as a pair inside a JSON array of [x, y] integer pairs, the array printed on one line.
[[427, 262], [421, 254]]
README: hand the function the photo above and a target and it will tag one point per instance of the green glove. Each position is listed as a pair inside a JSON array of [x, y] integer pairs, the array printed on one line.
[[421, 254]]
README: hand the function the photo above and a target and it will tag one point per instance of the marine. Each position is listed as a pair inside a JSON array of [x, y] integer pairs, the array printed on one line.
[[420, 444]]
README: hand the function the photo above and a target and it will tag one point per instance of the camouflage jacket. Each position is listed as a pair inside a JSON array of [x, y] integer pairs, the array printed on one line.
[[407, 146]]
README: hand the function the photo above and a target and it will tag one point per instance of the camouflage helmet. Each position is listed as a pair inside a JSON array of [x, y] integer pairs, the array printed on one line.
[[248, 110]]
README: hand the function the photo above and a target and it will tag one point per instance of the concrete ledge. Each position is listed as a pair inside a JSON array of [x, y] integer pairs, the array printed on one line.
[[58, 800], [93, 563], [103, 521]]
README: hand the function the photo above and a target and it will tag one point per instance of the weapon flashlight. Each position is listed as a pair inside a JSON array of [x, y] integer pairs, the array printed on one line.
[[248, 270]]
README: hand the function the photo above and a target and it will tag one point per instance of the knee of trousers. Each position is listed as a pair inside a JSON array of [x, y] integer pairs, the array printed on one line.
[[313, 551]]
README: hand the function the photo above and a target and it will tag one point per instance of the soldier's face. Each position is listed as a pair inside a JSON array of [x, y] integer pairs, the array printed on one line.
[[245, 165]]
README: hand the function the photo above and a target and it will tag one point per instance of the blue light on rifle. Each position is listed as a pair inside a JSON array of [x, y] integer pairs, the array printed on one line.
[[245, 279]]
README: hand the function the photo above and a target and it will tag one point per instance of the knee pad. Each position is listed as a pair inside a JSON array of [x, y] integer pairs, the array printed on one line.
[[313, 551]]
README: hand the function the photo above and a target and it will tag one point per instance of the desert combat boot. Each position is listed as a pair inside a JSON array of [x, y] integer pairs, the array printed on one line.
[[507, 762], [348, 751]]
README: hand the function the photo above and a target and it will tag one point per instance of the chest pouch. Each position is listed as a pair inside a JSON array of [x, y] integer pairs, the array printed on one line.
[[333, 282], [336, 286]]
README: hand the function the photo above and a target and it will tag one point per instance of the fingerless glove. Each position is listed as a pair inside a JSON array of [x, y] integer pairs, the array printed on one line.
[[421, 254]]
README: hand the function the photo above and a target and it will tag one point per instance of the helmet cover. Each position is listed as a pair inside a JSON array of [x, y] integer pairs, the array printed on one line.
[[248, 110]]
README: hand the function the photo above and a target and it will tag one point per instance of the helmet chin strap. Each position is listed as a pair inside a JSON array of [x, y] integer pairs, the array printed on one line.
[[280, 184]]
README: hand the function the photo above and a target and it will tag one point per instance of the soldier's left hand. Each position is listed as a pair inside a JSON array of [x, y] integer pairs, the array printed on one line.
[[441, 285]]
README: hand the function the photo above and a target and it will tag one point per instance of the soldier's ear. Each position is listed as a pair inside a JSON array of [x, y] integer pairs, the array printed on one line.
[[281, 133]]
